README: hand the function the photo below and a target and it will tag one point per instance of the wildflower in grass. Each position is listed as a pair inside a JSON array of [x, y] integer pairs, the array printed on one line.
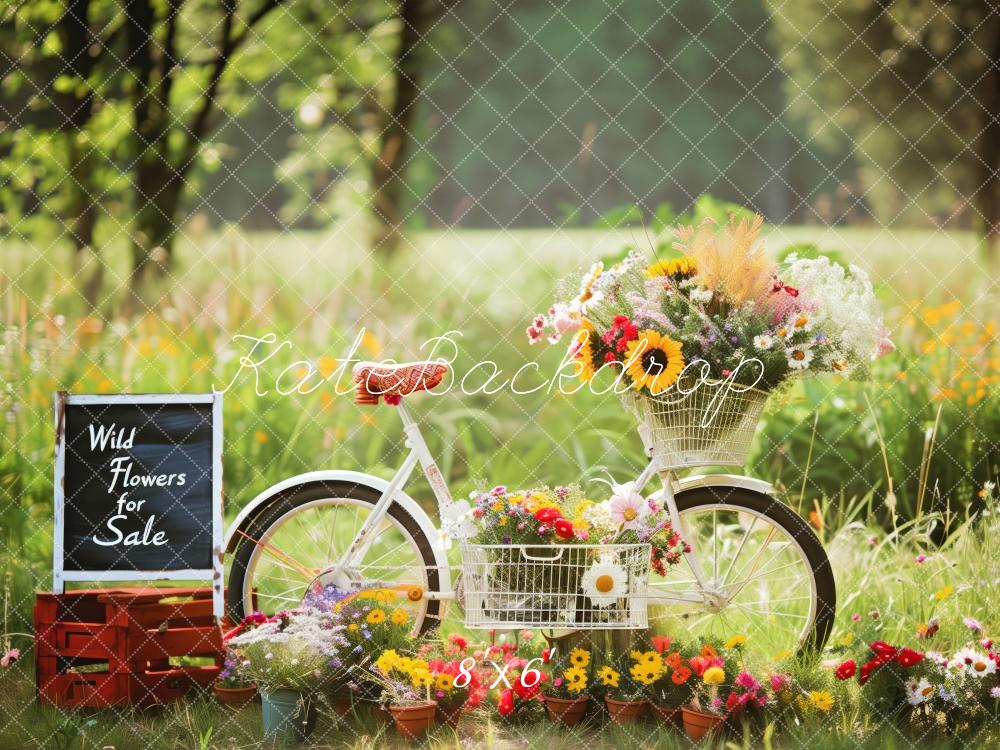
[[260, 437], [943, 593], [735, 641], [921, 558], [375, 617], [821, 700], [973, 624]]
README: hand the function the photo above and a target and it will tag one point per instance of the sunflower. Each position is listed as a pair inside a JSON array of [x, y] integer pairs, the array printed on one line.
[[576, 679], [443, 681], [399, 617], [643, 674], [579, 657], [584, 355], [683, 267], [375, 616], [654, 361], [421, 677], [608, 676]]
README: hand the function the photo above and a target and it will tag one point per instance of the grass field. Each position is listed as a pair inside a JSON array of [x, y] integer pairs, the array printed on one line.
[[317, 291]]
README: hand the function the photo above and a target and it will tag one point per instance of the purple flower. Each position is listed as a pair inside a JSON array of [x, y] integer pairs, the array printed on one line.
[[506, 540], [995, 692], [973, 624]]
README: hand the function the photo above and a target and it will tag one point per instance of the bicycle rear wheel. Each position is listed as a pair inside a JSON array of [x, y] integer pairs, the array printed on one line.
[[767, 575]]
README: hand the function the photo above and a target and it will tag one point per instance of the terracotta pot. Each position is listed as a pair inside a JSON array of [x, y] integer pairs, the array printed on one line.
[[625, 712], [412, 721], [569, 711], [670, 715], [234, 696], [449, 713], [699, 723]]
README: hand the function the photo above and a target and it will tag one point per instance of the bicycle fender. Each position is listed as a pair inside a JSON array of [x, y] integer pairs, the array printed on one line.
[[265, 498], [724, 480]]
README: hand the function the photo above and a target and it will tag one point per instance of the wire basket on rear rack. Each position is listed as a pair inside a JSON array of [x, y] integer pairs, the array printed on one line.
[[712, 425], [576, 586]]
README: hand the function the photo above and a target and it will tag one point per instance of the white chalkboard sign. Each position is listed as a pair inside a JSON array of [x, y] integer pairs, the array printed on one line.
[[138, 489]]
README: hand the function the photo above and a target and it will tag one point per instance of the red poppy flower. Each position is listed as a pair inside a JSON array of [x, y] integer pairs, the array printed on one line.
[[708, 651], [547, 515], [680, 675], [846, 670], [564, 529], [661, 643], [673, 659]]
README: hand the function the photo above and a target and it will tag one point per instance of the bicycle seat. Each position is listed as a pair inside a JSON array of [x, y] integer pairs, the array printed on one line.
[[374, 379]]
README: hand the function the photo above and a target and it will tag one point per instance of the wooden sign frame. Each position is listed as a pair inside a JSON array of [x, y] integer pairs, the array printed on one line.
[[60, 576]]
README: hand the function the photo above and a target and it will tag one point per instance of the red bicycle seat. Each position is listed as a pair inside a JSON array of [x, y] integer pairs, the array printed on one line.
[[374, 379]]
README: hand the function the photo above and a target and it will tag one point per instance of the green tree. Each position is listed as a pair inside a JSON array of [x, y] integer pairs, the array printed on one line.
[[914, 87]]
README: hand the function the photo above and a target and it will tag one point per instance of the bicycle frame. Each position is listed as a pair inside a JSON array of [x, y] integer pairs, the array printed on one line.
[[420, 454]]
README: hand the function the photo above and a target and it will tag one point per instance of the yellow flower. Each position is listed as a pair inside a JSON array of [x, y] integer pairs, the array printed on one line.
[[608, 676], [444, 682], [584, 355], [654, 361], [943, 593], [714, 676], [352, 628], [376, 616], [579, 657], [260, 436], [576, 679], [644, 672], [399, 617], [683, 266], [736, 641], [421, 677], [387, 661], [821, 700], [846, 639]]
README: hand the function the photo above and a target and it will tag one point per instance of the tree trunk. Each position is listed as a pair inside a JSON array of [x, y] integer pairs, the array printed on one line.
[[987, 197], [158, 196], [81, 217], [389, 169]]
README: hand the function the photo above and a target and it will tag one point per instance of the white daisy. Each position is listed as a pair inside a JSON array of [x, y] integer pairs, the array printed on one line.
[[970, 661], [799, 357], [800, 322], [918, 691], [763, 341], [605, 582], [701, 295]]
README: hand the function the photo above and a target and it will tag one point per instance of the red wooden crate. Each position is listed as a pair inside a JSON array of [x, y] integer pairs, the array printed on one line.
[[130, 636]]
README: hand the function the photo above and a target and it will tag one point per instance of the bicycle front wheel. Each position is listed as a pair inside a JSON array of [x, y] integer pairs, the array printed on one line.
[[766, 575]]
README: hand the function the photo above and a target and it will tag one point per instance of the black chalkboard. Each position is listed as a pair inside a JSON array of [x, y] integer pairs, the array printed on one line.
[[139, 486]]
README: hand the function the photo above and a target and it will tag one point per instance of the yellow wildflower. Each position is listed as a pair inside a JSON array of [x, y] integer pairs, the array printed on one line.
[[375, 616], [736, 641], [821, 700], [399, 617], [714, 676], [943, 593]]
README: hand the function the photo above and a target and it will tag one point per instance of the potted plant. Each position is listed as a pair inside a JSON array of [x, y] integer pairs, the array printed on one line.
[[406, 689], [453, 692], [566, 698], [707, 709], [673, 688], [628, 684], [290, 657], [232, 688]]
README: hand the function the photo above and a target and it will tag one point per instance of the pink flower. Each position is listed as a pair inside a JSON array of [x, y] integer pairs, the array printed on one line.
[[10, 657], [628, 506], [921, 558], [557, 681], [746, 680], [779, 682], [856, 618], [973, 624], [884, 347]]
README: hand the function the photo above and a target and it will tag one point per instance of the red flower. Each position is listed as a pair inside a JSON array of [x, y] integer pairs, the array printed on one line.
[[660, 642], [546, 655], [908, 657], [460, 643], [564, 529], [527, 693], [547, 515], [680, 675], [881, 648], [846, 670], [506, 704]]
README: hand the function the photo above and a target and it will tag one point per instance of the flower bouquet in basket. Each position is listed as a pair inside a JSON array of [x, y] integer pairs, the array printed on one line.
[[696, 342], [554, 557]]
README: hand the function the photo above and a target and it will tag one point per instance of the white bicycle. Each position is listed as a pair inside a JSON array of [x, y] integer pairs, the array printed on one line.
[[754, 566]]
